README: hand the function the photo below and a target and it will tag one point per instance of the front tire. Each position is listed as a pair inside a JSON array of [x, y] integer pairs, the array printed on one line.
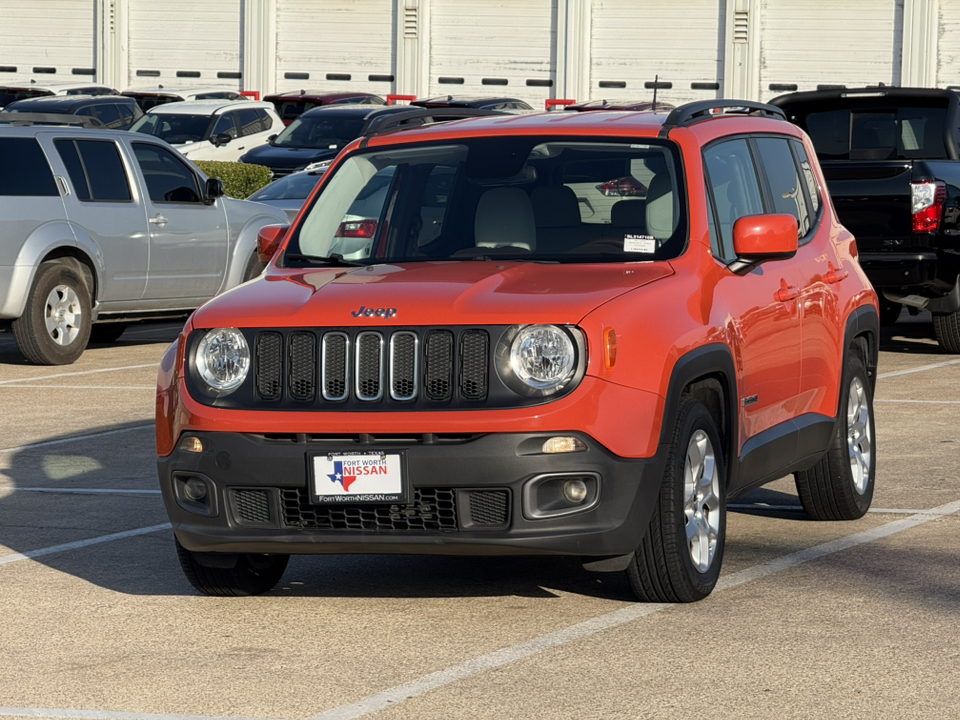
[[680, 556], [55, 326], [946, 327], [251, 575], [840, 486]]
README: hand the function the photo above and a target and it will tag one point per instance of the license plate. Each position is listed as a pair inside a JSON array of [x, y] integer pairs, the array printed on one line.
[[358, 477]]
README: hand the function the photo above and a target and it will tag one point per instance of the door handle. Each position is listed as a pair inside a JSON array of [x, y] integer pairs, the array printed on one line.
[[159, 220], [786, 292], [834, 276]]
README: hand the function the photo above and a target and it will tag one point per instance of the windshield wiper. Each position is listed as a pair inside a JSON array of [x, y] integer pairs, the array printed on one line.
[[335, 260]]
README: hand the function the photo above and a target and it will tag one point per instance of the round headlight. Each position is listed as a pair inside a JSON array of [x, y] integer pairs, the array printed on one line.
[[223, 359], [542, 357]]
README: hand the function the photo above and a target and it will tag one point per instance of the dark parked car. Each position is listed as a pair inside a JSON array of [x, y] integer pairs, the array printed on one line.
[[318, 134], [148, 97], [638, 105], [21, 91], [289, 192], [291, 105], [114, 112], [466, 101]]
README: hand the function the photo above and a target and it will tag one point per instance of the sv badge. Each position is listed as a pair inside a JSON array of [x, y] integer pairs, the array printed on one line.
[[374, 312]]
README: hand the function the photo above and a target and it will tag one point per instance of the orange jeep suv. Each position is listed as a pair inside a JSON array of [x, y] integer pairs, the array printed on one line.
[[565, 333]]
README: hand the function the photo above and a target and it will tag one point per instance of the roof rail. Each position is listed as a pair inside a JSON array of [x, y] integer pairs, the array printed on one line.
[[61, 119], [695, 112], [393, 122]]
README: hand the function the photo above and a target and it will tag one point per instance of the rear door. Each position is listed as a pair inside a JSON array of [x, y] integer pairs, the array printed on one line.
[[106, 208], [188, 238]]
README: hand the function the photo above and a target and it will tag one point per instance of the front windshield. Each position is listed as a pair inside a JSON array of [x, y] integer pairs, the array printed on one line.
[[319, 132], [520, 198], [175, 128], [8, 95]]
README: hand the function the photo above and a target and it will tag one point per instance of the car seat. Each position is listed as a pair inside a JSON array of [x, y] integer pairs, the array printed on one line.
[[505, 219]]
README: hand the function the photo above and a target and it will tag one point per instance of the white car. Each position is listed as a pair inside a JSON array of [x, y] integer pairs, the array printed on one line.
[[212, 129], [153, 95], [32, 89]]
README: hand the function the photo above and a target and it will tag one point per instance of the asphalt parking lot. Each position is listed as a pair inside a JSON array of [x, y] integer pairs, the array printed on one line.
[[829, 620]]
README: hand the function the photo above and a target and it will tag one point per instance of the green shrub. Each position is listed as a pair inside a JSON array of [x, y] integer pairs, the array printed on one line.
[[240, 180]]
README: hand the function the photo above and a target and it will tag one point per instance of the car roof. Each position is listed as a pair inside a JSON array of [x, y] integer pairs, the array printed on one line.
[[183, 90], [54, 87], [317, 95], [470, 100], [354, 111], [207, 107], [63, 102]]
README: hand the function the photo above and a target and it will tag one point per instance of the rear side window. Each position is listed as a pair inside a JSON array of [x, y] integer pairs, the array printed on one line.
[[24, 170], [252, 121], [95, 169], [786, 190]]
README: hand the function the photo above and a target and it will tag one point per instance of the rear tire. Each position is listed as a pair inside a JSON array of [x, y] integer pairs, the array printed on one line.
[[680, 556], [252, 575], [946, 327], [55, 326], [840, 486]]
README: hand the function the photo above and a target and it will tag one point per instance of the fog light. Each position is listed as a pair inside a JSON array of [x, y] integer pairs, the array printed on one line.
[[564, 444], [191, 444], [575, 490], [197, 489]]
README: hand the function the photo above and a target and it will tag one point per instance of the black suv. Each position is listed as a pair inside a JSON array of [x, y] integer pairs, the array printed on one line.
[[316, 135], [114, 112]]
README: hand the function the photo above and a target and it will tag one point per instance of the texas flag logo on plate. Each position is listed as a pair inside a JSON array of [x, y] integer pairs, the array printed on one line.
[[357, 477]]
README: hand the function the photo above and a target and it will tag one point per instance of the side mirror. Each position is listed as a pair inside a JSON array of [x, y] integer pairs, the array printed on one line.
[[268, 241], [761, 238], [213, 190], [272, 138], [221, 139]]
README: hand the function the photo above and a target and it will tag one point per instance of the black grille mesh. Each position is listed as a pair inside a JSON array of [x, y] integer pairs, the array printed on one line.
[[335, 365], [438, 378], [303, 365], [473, 364], [368, 366], [269, 350], [252, 505], [403, 366], [489, 507], [431, 509]]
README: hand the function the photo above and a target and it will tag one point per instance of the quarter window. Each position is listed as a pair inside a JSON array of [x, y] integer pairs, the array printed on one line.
[[168, 178], [734, 187], [24, 170], [95, 169]]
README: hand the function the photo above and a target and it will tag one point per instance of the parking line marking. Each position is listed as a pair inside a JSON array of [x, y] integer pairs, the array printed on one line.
[[61, 441], [922, 368], [29, 555], [923, 402], [78, 491], [85, 387], [415, 688], [104, 715], [799, 508], [82, 372]]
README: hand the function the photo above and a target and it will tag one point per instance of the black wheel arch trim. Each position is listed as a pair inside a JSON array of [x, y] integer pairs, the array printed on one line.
[[864, 322]]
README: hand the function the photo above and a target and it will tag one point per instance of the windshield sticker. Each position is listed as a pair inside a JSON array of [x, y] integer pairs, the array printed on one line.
[[639, 243]]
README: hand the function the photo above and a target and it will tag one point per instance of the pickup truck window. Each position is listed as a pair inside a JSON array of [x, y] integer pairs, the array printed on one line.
[[786, 189], [95, 169], [167, 178], [733, 184], [24, 169], [877, 134]]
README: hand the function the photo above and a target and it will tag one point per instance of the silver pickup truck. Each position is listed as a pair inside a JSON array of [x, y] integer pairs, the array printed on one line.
[[99, 228]]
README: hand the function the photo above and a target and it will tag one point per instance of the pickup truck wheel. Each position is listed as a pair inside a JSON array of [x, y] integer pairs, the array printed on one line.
[[947, 330], [251, 575], [679, 558], [254, 267], [840, 485], [107, 332], [55, 326]]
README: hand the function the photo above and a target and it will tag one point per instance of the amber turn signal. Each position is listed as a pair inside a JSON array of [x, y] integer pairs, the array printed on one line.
[[609, 348]]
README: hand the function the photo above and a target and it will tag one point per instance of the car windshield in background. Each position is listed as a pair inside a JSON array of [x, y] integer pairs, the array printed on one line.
[[316, 132], [877, 133], [175, 128], [292, 187], [148, 101], [516, 198], [9, 95]]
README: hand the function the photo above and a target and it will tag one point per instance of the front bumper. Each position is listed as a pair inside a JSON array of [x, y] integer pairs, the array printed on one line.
[[474, 495]]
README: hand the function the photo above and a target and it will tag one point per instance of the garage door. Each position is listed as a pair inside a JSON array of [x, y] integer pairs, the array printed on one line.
[[52, 41], [948, 60], [323, 45], [807, 45], [499, 48], [678, 45], [185, 42]]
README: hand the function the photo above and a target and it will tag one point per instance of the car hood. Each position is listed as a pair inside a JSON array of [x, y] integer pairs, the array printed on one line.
[[273, 156], [460, 292]]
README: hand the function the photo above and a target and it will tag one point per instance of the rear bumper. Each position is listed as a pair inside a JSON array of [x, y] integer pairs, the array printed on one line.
[[896, 269], [490, 490]]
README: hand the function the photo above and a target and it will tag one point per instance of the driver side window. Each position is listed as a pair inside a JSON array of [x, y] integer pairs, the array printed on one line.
[[168, 178]]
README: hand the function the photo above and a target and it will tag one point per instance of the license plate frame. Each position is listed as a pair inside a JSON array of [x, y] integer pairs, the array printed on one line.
[[379, 477]]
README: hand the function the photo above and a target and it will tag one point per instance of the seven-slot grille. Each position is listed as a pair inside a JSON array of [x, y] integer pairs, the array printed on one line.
[[370, 366]]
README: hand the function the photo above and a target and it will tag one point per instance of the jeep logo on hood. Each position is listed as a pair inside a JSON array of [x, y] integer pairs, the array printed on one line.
[[374, 312]]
